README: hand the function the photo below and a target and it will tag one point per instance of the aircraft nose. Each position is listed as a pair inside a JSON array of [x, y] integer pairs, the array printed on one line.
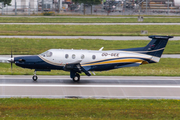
[[20, 59], [27, 61]]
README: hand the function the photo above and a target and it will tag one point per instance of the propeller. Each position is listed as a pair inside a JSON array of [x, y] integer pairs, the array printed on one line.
[[8, 60], [11, 60]]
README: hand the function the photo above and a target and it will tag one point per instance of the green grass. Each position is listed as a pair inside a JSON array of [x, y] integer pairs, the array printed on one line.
[[166, 67], [87, 109], [36, 46], [84, 20], [89, 30]]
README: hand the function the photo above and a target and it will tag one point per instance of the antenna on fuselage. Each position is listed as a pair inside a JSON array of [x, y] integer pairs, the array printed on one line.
[[101, 49]]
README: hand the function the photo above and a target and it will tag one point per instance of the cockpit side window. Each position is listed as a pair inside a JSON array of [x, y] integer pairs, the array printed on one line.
[[46, 54], [49, 54]]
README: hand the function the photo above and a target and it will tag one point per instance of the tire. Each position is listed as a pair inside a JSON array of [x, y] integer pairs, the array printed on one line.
[[76, 78], [35, 78]]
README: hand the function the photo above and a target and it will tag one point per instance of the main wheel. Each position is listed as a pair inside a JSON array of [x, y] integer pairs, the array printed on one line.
[[35, 78], [76, 78]]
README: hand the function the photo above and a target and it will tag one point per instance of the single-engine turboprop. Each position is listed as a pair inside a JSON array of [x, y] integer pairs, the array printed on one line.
[[78, 61]]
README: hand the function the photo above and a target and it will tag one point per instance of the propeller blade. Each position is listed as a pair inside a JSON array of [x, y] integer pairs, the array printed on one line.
[[12, 60], [11, 66], [11, 52]]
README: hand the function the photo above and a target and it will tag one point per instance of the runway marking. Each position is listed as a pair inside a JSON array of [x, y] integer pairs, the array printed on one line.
[[114, 86], [94, 96]]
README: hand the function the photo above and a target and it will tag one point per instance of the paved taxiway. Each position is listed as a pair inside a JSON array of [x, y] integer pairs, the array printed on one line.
[[90, 37], [82, 17], [89, 23], [142, 87]]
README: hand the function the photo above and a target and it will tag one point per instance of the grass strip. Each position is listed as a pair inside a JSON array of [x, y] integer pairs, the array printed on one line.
[[36, 46], [166, 67], [86, 109], [89, 30], [85, 20]]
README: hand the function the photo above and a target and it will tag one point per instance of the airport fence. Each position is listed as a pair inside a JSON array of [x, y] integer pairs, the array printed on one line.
[[51, 8]]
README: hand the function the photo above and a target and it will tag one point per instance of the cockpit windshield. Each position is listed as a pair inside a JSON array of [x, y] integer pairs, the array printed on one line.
[[46, 54]]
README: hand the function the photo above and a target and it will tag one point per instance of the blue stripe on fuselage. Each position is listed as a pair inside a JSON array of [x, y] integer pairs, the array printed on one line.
[[34, 62]]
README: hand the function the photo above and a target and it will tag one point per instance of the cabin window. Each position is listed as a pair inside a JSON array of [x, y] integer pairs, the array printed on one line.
[[82, 56], [93, 57], [66, 56], [73, 56]]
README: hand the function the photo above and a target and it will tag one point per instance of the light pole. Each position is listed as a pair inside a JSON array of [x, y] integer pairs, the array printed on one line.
[[168, 7], [42, 8], [15, 8]]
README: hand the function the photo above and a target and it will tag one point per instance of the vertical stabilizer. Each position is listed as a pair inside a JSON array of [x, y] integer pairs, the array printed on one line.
[[156, 45]]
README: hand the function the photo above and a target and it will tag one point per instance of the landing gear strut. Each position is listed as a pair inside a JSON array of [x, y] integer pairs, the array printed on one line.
[[35, 76]]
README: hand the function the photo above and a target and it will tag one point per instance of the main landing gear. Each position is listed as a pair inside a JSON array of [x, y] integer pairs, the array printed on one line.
[[76, 78], [35, 76]]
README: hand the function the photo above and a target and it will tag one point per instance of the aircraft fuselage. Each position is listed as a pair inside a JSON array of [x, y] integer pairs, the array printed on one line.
[[90, 59]]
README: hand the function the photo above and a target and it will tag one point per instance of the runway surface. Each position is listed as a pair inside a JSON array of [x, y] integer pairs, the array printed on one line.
[[90, 37], [142, 87]]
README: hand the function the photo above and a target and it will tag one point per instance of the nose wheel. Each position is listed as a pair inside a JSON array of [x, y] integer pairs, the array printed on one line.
[[35, 76]]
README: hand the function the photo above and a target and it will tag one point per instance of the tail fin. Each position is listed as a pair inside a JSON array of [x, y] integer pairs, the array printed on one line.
[[156, 45]]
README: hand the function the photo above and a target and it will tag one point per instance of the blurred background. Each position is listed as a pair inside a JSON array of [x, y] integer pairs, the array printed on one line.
[[90, 7]]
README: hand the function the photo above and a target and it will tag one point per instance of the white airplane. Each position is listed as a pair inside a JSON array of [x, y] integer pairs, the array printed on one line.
[[78, 61]]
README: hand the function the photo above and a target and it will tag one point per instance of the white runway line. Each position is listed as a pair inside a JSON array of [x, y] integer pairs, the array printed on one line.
[[114, 86]]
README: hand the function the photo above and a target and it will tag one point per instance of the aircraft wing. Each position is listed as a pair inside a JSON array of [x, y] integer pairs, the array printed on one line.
[[75, 62], [76, 66]]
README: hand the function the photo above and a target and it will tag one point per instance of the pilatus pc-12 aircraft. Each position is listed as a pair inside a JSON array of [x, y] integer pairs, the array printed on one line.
[[78, 61]]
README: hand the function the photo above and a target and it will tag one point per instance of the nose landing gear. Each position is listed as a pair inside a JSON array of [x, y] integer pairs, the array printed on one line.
[[35, 76]]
